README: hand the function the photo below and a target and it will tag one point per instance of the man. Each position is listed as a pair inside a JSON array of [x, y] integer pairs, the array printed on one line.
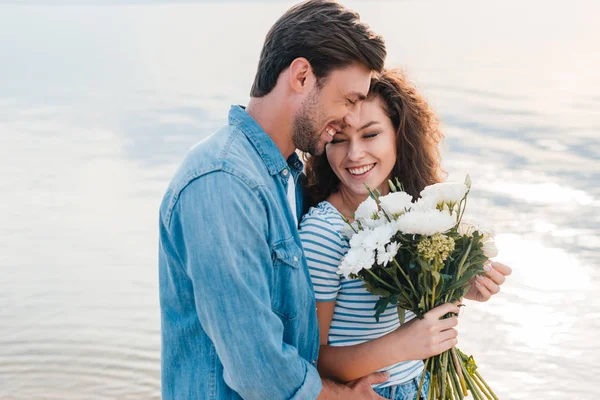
[[237, 305]]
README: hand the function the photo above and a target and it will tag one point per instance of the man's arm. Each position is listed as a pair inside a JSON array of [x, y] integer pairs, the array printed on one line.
[[221, 227]]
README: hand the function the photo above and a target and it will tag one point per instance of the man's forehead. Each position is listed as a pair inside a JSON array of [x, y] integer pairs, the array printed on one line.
[[352, 81]]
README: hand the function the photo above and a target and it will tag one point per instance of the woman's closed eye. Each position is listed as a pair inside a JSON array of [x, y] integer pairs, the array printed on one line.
[[370, 135]]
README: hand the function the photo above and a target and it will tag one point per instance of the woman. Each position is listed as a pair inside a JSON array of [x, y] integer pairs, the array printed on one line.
[[398, 137]]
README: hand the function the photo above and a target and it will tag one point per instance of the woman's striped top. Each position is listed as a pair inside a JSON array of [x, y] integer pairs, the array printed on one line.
[[353, 319]]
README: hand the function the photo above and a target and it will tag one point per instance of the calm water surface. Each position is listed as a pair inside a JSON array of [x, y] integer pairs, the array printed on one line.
[[99, 103]]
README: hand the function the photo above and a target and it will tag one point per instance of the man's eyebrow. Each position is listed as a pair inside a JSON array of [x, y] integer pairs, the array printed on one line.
[[368, 124], [359, 96]]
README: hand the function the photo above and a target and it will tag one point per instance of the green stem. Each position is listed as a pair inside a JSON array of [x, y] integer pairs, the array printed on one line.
[[406, 277], [481, 388], [453, 394], [422, 379], [394, 277], [457, 365], [462, 209], [379, 279], [432, 388], [486, 385], [474, 389], [455, 384], [444, 365], [463, 260]]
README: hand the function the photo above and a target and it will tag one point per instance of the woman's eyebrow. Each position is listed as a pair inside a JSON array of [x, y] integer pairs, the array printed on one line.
[[368, 124]]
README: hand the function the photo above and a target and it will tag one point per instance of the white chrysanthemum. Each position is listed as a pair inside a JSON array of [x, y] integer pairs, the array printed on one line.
[[396, 203], [379, 236], [445, 192], [359, 238], [355, 261], [427, 222], [387, 254], [366, 209]]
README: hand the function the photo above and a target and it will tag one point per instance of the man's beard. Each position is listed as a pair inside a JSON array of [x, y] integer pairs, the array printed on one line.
[[306, 137]]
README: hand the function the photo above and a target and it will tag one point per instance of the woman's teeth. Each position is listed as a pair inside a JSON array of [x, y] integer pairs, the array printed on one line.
[[330, 131], [361, 170]]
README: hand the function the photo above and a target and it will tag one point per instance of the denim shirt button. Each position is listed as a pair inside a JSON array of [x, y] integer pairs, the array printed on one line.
[[285, 172], [295, 259], [314, 362]]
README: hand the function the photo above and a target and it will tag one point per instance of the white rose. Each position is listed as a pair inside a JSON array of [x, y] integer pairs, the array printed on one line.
[[425, 204], [489, 248], [366, 209], [374, 223], [427, 222], [446, 192], [396, 203], [466, 228]]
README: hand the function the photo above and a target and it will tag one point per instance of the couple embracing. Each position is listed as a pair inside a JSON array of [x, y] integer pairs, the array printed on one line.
[[250, 238]]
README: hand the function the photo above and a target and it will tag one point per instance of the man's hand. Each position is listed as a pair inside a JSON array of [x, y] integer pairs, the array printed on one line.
[[484, 287], [354, 390]]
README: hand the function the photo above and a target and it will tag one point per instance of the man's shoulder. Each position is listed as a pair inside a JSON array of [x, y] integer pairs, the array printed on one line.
[[226, 152], [219, 161]]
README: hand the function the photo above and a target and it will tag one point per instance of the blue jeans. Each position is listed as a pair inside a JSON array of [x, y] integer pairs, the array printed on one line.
[[406, 391]]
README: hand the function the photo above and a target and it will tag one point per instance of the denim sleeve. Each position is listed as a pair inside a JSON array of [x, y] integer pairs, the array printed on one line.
[[223, 228]]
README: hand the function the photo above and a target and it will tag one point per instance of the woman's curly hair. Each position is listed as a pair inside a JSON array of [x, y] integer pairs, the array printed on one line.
[[418, 136]]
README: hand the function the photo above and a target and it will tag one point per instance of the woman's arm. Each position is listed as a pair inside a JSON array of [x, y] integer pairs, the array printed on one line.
[[415, 340]]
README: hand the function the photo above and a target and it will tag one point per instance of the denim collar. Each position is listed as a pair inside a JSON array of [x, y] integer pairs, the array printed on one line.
[[264, 145]]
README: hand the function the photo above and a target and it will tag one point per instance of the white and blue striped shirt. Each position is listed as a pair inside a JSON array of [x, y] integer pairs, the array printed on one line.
[[353, 318]]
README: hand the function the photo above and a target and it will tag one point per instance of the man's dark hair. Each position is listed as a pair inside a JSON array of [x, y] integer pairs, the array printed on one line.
[[324, 32]]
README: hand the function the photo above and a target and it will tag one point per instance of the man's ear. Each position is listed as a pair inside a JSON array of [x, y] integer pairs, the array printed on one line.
[[301, 76]]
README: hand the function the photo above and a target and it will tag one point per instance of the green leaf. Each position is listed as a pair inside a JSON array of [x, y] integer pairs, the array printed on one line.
[[436, 276], [401, 315], [424, 265], [382, 304]]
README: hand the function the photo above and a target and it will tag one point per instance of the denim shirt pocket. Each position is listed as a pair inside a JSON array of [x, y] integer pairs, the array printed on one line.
[[288, 295]]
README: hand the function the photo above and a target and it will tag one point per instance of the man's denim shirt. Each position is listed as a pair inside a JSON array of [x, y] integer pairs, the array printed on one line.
[[237, 305]]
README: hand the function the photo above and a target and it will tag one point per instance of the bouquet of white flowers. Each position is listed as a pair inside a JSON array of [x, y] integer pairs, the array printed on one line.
[[419, 255]]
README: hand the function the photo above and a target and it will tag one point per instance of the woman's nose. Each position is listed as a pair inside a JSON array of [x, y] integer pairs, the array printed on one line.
[[356, 151]]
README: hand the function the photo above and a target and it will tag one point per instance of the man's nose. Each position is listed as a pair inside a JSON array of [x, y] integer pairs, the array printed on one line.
[[352, 118]]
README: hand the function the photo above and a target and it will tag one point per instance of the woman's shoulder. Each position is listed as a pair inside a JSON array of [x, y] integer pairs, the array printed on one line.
[[325, 221], [323, 213]]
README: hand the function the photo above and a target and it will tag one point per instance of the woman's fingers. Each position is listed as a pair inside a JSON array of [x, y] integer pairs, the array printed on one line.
[[484, 293], [448, 334], [448, 344], [497, 272], [503, 269], [490, 285], [448, 323], [439, 311]]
